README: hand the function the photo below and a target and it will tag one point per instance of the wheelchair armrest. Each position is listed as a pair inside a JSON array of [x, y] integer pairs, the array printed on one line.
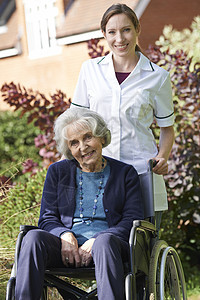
[[26, 228], [143, 224], [140, 225], [23, 230]]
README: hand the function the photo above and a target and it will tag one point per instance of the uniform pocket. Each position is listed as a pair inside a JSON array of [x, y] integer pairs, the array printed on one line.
[[139, 105]]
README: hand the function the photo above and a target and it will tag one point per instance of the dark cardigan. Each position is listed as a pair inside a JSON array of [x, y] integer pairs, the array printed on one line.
[[121, 201]]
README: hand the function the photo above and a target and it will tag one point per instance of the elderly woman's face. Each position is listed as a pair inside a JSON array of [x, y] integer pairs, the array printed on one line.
[[85, 148]]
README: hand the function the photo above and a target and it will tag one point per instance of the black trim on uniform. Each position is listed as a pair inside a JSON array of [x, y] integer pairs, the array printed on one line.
[[164, 117], [151, 66], [79, 105]]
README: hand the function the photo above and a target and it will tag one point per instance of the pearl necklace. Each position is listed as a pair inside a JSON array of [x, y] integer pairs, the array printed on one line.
[[100, 187]]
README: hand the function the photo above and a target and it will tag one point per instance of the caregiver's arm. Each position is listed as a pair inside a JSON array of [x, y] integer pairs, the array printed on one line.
[[165, 145]]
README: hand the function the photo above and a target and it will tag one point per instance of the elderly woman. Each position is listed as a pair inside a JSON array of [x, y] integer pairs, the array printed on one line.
[[88, 205]]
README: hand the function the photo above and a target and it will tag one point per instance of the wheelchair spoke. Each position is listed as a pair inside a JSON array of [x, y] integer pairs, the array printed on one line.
[[172, 277], [154, 270], [171, 284], [166, 277]]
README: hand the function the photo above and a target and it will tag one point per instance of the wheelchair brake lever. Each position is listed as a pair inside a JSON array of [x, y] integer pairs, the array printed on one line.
[[154, 163]]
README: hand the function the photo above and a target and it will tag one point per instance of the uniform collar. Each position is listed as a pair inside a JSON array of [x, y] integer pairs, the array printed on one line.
[[105, 59], [143, 63], [110, 73]]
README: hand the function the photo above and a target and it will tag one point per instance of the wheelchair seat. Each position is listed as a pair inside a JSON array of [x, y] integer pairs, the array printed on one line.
[[154, 271]]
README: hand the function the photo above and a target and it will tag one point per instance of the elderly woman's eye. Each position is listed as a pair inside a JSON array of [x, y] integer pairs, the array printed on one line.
[[88, 136], [74, 143]]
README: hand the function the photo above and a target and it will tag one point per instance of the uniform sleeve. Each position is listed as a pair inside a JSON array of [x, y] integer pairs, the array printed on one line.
[[80, 98], [164, 109]]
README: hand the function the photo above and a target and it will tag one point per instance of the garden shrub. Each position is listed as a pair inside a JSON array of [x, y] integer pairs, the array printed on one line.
[[41, 112], [16, 141], [21, 205], [183, 177], [187, 40], [95, 49]]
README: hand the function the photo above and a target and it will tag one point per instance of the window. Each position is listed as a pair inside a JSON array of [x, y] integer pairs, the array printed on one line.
[[40, 16], [7, 7], [67, 5]]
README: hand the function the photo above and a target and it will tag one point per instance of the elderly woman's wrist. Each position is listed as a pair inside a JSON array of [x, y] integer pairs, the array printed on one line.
[[66, 233]]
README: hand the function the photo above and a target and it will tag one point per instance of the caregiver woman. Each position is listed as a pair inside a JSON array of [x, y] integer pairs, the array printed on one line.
[[130, 91]]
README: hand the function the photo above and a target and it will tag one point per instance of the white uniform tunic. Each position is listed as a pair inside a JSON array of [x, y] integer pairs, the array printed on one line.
[[129, 109]]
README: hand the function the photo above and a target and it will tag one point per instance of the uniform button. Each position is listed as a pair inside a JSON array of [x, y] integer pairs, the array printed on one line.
[[106, 210]]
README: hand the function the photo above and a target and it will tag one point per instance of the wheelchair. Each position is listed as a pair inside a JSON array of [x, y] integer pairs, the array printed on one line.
[[154, 271]]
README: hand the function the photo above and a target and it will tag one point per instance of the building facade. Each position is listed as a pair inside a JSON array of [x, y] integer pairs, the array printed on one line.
[[44, 42]]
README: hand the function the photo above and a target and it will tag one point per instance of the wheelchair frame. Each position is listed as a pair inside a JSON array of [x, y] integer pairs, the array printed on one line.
[[155, 270]]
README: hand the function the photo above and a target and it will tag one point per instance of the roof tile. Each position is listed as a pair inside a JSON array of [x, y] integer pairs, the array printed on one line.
[[85, 16]]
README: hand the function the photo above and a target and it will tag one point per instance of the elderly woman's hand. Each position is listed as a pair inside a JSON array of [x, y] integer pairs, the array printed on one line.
[[85, 252], [69, 250]]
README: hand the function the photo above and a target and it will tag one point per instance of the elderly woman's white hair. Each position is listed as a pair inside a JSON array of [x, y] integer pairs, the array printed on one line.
[[79, 118]]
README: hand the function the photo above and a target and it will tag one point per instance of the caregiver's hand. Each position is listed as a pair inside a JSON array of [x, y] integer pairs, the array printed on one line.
[[161, 167]]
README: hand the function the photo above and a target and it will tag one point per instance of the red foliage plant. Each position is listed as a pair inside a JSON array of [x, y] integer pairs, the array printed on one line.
[[183, 177], [42, 112], [95, 49]]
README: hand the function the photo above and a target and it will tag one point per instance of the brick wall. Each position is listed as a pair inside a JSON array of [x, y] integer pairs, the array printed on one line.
[[159, 13], [46, 74]]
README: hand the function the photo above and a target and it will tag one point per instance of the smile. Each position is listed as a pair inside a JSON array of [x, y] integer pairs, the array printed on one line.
[[88, 155], [122, 47]]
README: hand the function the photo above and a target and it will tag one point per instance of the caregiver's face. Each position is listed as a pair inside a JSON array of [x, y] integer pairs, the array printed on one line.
[[121, 35]]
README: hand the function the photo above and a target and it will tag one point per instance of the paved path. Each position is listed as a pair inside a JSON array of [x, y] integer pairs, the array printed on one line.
[[197, 297]]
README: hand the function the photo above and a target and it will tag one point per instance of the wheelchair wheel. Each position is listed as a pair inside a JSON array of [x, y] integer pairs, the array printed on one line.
[[166, 277], [154, 270], [172, 279]]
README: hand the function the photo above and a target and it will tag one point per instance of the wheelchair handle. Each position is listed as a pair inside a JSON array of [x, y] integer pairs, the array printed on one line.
[[151, 164]]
